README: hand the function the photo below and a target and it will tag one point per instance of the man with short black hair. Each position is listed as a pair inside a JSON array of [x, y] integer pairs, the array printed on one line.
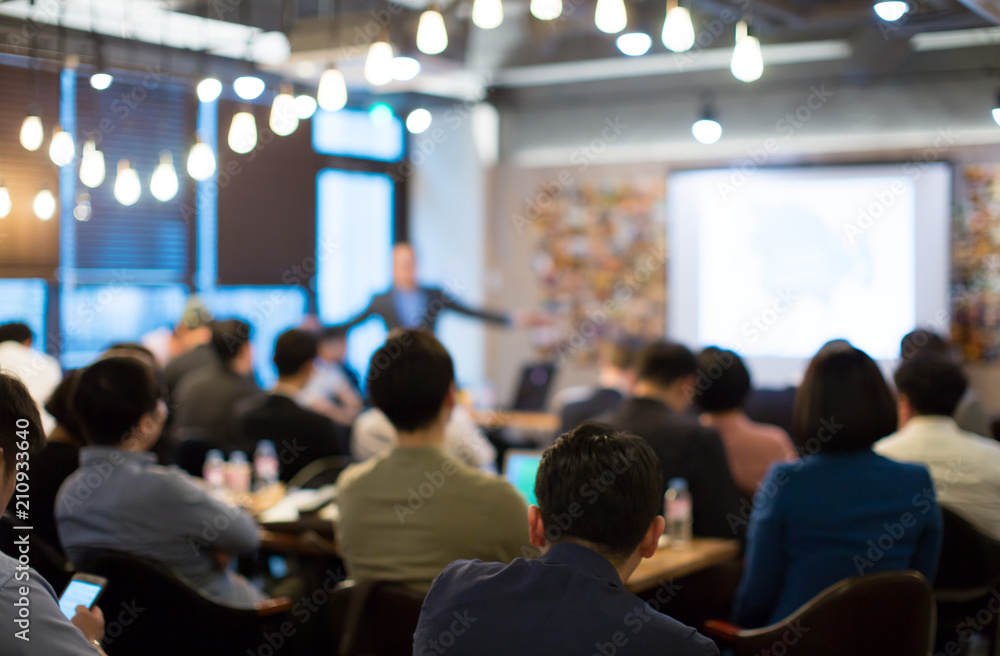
[[139, 507], [40, 372], [965, 467], [301, 436], [658, 412], [616, 371], [408, 512], [571, 600], [207, 398]]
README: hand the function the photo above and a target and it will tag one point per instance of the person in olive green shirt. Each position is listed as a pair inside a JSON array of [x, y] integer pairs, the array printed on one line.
[[408, 513]]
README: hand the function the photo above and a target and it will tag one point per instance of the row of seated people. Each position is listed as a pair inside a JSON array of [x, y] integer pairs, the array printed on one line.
[[413, 510]]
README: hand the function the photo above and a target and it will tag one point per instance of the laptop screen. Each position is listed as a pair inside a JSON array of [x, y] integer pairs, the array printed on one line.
[[520, 468], [533, 388]]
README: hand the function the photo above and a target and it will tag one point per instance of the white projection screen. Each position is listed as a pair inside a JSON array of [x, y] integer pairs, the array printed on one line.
[[775, 262]]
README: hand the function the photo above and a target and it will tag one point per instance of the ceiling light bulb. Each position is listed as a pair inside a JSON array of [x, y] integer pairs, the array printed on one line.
[[44, 205], [405, 68], [83, 209], [432, 35], [305, 107], [747, 64], [92, 168], [283, 120], [707, 130], [163, 185], [201, 161], [248, 87], [634, 44], [332, 92], [5, 205], [209, 89], [546, 9], [487, 14], [127, 186], [61, 149], [678, 31], [32, 132], [891, 10], [243, 133], [419, 120], [610, 16], [101, 81], [378, 64]]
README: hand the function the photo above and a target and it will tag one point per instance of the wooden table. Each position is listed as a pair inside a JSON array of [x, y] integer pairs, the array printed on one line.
[[533, 422], [669, 563]]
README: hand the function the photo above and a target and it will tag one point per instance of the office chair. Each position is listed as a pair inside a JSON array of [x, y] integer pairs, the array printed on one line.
[[320, 472], [374, 618]]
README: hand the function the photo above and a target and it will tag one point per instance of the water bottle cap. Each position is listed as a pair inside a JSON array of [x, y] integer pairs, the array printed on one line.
[[265, 445], [677, 484], [237, 456], [214, 454]]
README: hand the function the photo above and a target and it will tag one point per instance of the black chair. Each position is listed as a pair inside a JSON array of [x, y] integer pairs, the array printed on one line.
[[318, 473], [148, 610], [873, 615], [967, 581], [189, 450], [374, 618], [47, 559]]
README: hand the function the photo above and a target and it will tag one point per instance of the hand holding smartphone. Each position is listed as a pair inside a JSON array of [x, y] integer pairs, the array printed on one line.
[[83, 590]]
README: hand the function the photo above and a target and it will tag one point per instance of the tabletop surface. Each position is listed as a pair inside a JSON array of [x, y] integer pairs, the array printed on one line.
[[671, 562]]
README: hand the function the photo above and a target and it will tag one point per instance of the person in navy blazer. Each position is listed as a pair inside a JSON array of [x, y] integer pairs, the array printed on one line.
[[842, 510]]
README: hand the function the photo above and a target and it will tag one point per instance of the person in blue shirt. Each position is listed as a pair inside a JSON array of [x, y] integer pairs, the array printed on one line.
[[840, 511], [598, 516]]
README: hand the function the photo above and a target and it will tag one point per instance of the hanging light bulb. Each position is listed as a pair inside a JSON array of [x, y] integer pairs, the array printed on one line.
[[747, 64], [405, 68], [610, 16], [419, 120], [283, 120], [332, 92], [5, 205], [634, 44], [248, 87], [201, 161], [678, 31], [891, 10], [546, 10], [163, 185], [305, 106], [83, 209], [101, 80], [707, 130], [243, 133], [209, 89], [127, 186], [32, 132], [91, 165], [487, 14], [432, 35], [44, 205], [61, 148], [378, 64]]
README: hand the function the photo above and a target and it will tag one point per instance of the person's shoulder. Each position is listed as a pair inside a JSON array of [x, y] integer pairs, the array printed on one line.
[[910, 471], [357, 472], [655, 632], [8, 568]]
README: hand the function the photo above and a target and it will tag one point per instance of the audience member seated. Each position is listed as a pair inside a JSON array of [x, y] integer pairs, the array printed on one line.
[[40, 372], [970, 415], [301, 436], [53, 464], [658, 412], [121, 499], [47, 631], [206, 400], [334, 389], [373, 434], [723, 384], [571, 600], [410, 511], [191, 345], [841, 510], [965, 466], [616, 363]]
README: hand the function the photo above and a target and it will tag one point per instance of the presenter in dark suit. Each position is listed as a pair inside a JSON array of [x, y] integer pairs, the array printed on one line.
[[415, 307]]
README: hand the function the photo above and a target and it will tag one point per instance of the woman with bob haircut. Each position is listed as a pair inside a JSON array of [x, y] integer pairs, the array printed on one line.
[[841, 510]]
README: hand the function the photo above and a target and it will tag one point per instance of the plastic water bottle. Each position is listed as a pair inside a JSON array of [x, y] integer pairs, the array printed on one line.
[[265, 464], [214, 469], [677, 510], [238, 472]]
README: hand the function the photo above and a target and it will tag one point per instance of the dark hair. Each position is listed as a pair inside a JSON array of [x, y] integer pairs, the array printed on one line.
[[293, 350], [921, 342], [662, 363], [843, 404], [16, 331], [623, 353], [330, 333], [723, 381], [19, 421], [409, 378], [60, 404], [147, 355], [599, 485], [112, 395], [228, 337], [933, 384]]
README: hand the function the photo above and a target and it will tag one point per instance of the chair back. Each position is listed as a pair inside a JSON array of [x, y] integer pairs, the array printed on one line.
[[318, 473], [189, 449], [375, 618], [970, 561]]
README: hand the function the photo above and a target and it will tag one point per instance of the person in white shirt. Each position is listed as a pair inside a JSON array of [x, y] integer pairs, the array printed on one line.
[[965, 467], [40, 372]]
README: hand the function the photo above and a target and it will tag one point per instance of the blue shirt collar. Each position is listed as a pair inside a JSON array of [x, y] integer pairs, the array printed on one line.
[[93, 454], [582, 558]]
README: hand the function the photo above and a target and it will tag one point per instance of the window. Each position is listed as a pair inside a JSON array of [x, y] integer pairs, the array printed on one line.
[[25, 300], [356, 133]]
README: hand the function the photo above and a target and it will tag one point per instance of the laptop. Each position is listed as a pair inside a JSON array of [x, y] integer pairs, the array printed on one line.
[[533, 389], [520, 466]]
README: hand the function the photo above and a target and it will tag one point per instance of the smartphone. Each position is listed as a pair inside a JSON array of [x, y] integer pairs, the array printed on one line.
[[83, 590]]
